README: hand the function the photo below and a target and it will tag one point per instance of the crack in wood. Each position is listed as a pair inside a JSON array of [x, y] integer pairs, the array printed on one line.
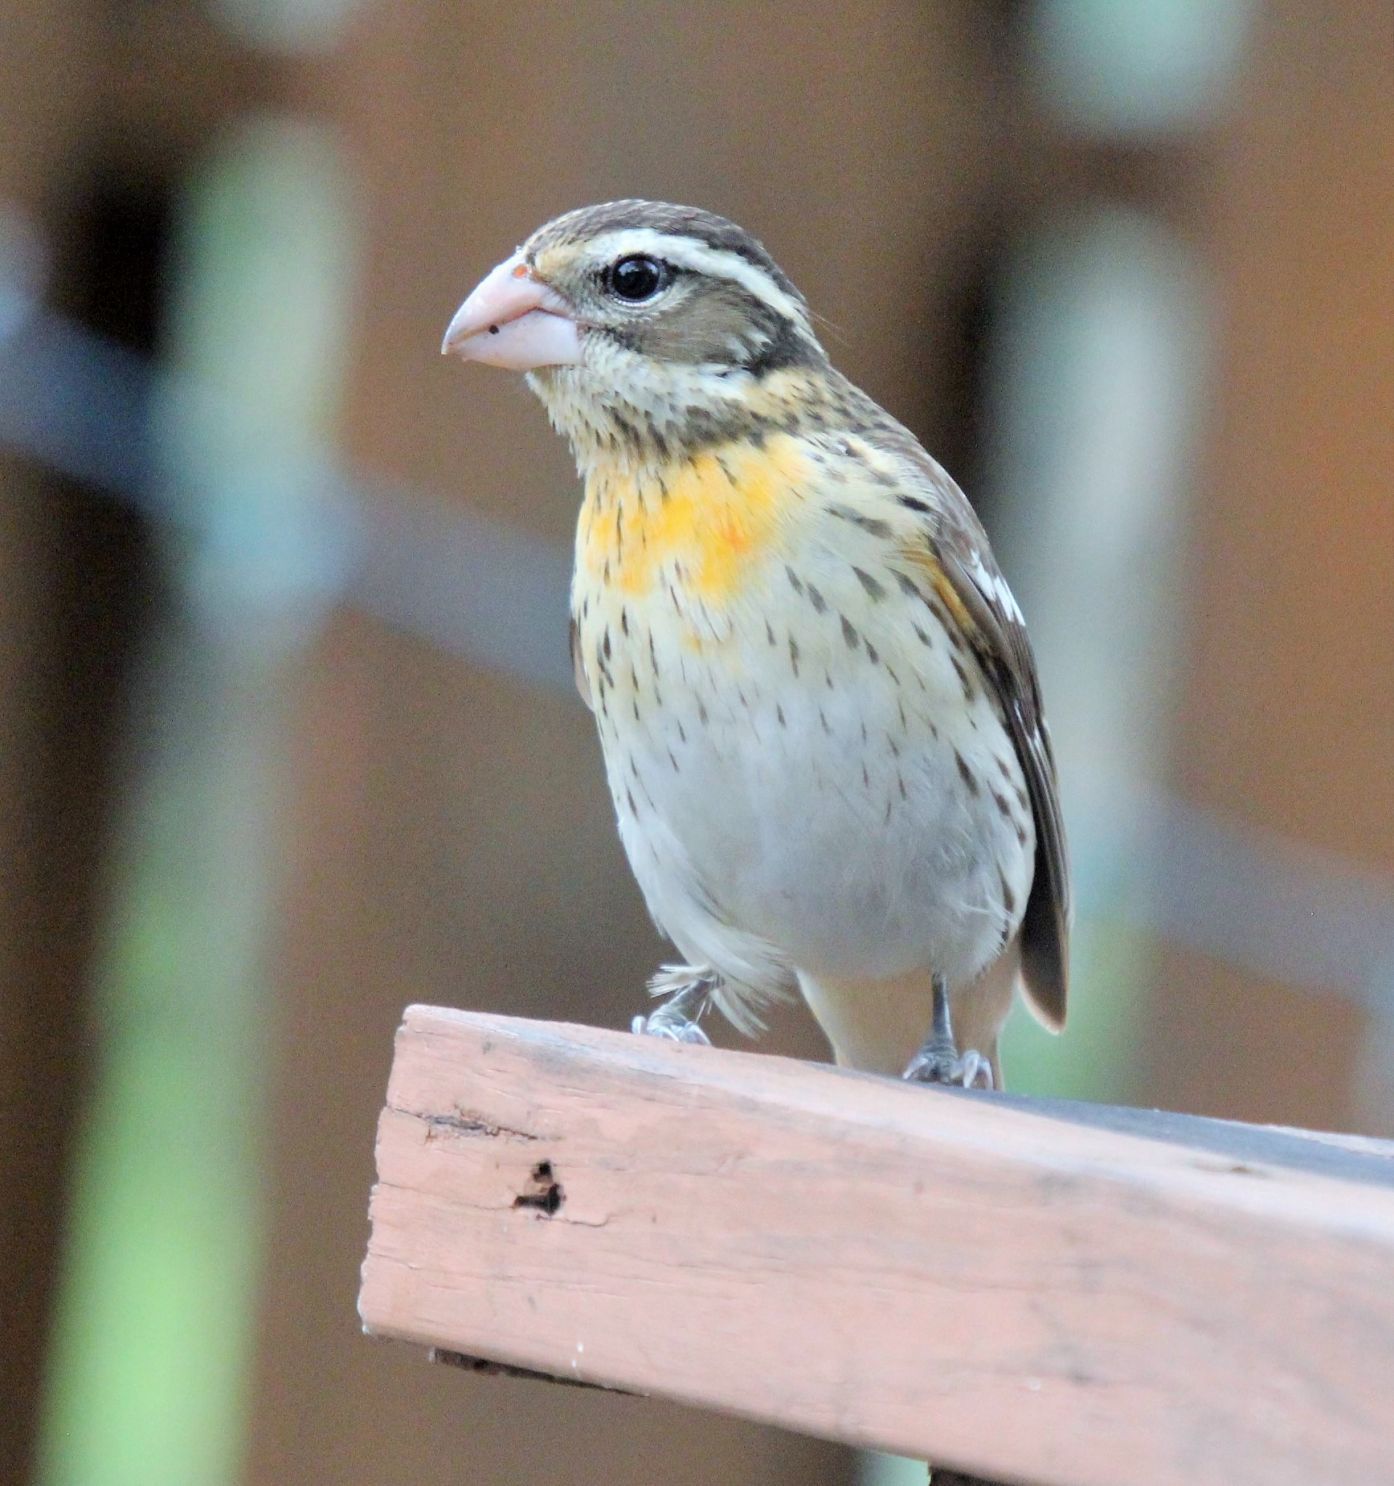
[[463, 1123]]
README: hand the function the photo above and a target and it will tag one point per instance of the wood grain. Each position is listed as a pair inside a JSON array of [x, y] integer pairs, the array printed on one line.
[[1048, 1293]]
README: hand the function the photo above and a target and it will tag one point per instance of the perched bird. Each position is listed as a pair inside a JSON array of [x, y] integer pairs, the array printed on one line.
[[818, 706]]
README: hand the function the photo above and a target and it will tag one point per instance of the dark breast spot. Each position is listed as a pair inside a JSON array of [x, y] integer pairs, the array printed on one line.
[[964, 680], [872, 525], [874, 590], [1008, 897], [969, 778]]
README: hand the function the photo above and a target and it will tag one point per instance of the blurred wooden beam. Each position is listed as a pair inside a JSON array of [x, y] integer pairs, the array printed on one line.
[[1286, 714], [1050, 1293]]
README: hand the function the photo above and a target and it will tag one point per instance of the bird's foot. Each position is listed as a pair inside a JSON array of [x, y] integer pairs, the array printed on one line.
[[671, 1025], [967, 1070], [939, 1060], [687, 992]]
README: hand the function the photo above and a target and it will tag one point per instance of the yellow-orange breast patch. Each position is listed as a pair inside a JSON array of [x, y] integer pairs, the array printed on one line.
[[714, 516]]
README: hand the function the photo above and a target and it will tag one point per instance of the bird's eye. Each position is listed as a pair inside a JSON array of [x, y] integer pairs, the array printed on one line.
[[636, 278]]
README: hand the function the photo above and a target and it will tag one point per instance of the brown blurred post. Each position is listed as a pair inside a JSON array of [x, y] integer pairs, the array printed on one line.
[[1289, 703], [70, 573]]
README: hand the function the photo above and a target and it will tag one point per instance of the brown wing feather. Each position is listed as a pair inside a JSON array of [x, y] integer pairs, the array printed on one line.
[[998, 633], [1010, 666]]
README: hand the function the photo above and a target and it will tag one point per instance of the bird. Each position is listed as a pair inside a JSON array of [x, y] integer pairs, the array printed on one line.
[[818, 706]]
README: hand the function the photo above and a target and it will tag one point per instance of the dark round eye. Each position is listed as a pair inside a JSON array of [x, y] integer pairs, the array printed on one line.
[[636, 278]]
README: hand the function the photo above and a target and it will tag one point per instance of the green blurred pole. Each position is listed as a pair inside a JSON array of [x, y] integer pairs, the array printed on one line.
[[156, 1317]]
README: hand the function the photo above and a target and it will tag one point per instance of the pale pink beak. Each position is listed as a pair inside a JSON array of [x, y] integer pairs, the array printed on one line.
[[513, 320]]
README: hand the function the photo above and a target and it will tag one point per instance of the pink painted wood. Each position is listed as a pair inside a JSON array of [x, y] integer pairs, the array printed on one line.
[[1054, 1294]]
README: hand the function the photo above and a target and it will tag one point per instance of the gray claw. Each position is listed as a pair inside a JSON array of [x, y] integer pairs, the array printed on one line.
[[966, 1070], [670, 1028], [687, 993]]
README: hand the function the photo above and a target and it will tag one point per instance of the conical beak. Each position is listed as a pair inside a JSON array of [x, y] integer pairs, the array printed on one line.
[[513, 320]]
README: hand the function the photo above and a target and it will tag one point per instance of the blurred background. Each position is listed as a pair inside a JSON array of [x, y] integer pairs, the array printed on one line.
[[287, 737]]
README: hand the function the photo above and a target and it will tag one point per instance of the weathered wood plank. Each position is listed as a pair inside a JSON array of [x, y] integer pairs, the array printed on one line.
[[1052, 1293]]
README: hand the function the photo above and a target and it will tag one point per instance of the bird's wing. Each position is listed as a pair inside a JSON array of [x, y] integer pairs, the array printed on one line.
[[1005, 654], [959, 548]]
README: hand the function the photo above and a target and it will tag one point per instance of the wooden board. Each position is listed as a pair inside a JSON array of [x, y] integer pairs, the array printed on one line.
[[1050, 1293]]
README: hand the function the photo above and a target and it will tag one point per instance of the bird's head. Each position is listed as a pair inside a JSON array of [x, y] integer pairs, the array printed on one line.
[[645, 328]]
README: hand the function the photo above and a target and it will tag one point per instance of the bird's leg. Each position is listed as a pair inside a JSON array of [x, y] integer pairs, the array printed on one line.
[[687, 992], [939, 1060]]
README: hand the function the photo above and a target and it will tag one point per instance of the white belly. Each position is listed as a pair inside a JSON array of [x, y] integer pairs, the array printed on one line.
[[817, 810]]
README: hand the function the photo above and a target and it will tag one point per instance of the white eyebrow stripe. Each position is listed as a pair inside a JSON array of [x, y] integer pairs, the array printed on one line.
[[693, 253]]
